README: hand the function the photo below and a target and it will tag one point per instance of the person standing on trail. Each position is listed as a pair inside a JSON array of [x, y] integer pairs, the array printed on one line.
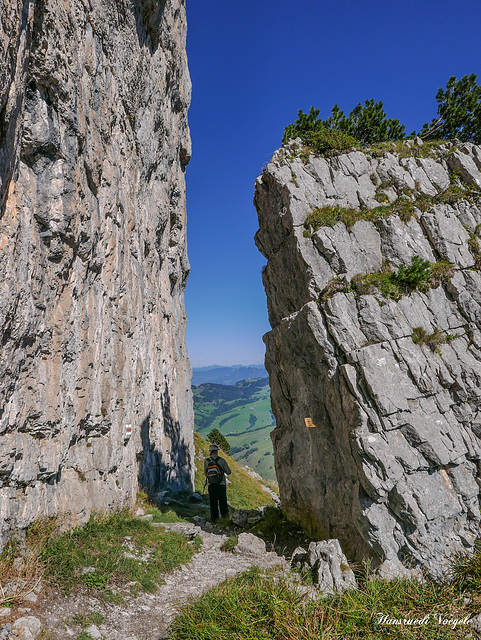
[[215, 470]]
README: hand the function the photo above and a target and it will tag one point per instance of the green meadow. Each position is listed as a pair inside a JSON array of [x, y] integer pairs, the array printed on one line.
[[242, 413]]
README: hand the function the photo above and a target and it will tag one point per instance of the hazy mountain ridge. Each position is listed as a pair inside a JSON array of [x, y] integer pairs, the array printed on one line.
[[227, 375]]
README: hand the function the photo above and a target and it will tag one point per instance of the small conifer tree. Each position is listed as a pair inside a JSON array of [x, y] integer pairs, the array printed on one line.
[[366, 124], [216, 437], [459, 111]]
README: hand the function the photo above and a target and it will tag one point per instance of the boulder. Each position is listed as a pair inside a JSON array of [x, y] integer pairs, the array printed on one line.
[[250, 545], [245, 517], [334, 575], [27, 628]]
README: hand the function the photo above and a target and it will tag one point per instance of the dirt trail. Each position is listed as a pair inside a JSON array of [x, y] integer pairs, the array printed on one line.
[[148, 616]]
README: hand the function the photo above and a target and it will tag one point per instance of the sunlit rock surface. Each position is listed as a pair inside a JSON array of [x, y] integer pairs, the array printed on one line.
[[93, 147], [378, 439]]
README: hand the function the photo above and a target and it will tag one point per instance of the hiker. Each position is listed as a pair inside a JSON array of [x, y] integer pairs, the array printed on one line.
[[215, 470]]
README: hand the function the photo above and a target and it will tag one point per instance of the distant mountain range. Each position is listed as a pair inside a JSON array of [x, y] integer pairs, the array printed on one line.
[[227, 375]]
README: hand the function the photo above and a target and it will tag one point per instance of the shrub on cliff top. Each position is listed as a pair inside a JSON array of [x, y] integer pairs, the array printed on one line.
[[459, 116], [315, 134], [330, 215], [366, 124], [459, 111]]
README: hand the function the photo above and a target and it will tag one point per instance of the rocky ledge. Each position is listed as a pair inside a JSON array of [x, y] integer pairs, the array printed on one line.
[[373, 286]]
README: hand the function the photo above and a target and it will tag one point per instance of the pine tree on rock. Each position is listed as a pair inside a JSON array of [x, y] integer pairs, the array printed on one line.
[[459, 111]]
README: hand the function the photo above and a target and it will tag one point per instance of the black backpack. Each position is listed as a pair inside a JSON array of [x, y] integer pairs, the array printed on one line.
[[214, 471]]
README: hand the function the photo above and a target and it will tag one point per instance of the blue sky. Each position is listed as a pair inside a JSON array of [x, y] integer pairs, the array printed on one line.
[[253, 64]]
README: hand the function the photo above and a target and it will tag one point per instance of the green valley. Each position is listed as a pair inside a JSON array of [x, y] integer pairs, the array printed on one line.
[[242, 413]]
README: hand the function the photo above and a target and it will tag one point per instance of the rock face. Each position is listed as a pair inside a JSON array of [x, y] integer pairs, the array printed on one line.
[[94, 376], [378, 440]]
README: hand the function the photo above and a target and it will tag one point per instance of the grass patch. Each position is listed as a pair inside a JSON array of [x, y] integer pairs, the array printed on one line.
[[258, 606], [420, 275], [326, 143], [466, 574], [441, 272], [164, 516], [329, 216], [177, 509], [370, 282], [457, 190], [337, 285], [112, 550], [20, 567], [230, 543], [433, 340], [406, 149], [404, 206], [86, 619]]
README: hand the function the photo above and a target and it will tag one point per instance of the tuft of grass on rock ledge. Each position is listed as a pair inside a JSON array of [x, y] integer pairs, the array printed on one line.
[[404, 206], [433, 340], [420, 275], [257, 606]]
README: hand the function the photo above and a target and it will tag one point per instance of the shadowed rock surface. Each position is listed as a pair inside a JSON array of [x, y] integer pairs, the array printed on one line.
[[378, 437], [93, 147]]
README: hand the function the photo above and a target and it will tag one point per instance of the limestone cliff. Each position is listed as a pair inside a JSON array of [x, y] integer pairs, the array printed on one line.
[[94, 375], [376, 395]]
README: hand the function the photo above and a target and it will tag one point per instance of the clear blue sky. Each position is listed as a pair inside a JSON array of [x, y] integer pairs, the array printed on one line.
[[253, 64]]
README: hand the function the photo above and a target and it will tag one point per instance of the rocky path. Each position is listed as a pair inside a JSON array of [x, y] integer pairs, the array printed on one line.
[[148, 616]]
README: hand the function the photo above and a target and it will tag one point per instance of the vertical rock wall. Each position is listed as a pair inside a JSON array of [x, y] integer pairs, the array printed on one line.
[[94, 376], [378, 438]]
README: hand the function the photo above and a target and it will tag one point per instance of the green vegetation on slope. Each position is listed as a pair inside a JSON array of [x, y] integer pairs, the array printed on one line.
[[254, 606], [242, 414], [108, 554], [243, 491], [97, 555]]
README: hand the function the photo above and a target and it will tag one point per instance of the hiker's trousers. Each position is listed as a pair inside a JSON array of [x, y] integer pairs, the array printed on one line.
[[218, 500]]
